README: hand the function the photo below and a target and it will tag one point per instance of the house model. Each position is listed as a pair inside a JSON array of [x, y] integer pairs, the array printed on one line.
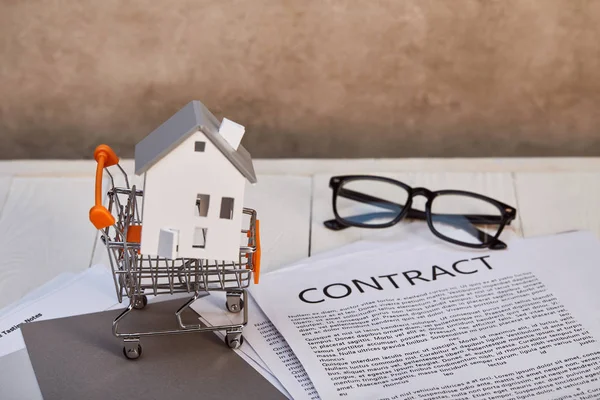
[[195, 172]]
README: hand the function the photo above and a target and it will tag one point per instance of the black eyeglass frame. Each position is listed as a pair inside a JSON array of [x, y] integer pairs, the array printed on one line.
[[507, 213]]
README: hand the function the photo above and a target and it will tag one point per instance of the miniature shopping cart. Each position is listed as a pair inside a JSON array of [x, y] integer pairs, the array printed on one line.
[[136, 275]]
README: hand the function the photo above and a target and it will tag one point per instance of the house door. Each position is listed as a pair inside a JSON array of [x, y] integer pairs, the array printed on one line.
[[168, 243]]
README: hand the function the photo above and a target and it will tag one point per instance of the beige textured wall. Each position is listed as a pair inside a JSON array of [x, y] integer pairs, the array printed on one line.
[[308, 78]]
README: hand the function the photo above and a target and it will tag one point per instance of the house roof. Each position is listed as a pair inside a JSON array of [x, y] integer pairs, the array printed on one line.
[[191, 118]]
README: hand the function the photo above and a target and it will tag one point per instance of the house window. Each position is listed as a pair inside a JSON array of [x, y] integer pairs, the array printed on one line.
[[202, 202], [199, 240], [226, 208], [199, 146]]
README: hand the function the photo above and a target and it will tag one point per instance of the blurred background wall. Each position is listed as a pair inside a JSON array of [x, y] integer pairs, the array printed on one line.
[[308, 78]]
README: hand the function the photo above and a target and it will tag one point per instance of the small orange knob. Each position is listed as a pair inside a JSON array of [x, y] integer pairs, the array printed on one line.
[[109, 155], [101, 217]]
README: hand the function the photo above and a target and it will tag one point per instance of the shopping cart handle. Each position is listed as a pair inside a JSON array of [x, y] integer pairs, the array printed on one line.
[[256, 255], [99, 215]]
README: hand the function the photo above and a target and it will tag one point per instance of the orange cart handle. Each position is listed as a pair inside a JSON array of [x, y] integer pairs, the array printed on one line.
[[256, 255], [99, 215]]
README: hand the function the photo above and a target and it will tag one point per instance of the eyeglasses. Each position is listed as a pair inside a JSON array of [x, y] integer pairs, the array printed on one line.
[[452, 215]]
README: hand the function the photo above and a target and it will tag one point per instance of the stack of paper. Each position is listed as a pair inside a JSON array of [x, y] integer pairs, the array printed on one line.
[[420, 321], [90, 291], [387, 319], [67, 294]]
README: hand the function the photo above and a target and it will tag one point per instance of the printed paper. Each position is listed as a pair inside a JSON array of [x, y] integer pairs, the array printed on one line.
[[518, 323]]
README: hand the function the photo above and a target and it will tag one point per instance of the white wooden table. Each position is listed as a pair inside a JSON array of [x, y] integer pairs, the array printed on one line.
[[44, 226]]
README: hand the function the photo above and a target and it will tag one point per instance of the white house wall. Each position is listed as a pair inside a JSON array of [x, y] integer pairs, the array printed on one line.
[[170, 195]]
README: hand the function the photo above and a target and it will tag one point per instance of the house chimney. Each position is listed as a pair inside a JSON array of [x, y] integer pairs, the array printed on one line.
[[232, 132]]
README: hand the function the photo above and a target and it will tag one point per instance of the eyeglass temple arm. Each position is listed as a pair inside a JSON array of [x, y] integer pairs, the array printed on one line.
[[450, 219]]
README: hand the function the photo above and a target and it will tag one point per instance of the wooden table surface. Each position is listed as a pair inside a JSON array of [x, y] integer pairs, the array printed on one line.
[[44, 226]]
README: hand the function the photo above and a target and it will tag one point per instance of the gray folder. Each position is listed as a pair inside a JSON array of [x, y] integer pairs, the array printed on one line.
[[79, 358]]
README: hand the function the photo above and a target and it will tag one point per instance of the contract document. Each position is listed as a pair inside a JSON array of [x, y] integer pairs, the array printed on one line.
[[442, 323], [273, 348]]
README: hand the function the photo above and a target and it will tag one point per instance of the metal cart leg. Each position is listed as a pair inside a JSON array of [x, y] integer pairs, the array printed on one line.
[[132, 348], [120, 317], [183, 308], [233, 333]]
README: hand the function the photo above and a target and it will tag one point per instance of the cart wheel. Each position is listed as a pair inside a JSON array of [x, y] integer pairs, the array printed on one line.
[[140, 302], [234, 340], [132, 353], [235, 307]]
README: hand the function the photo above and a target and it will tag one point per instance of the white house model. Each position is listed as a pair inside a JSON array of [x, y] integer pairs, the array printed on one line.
[[195, 172]]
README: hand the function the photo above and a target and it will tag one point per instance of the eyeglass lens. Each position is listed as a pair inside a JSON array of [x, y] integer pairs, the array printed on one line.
[[465, 219], [370, 202]]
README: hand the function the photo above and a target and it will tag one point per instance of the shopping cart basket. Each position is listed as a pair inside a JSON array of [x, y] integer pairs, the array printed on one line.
[[136, 276]]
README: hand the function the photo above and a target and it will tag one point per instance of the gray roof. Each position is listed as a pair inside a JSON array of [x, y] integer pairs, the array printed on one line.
[[194, 116]]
